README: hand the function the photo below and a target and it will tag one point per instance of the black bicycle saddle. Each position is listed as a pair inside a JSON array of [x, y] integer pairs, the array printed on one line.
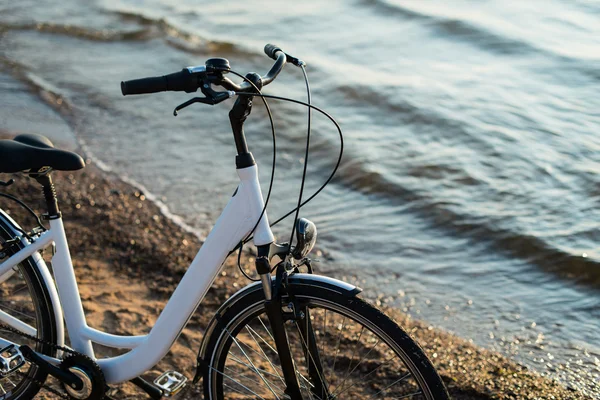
[[32, 152]]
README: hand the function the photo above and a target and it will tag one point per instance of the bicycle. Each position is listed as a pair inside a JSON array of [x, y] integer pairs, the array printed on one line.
[[290, 335]]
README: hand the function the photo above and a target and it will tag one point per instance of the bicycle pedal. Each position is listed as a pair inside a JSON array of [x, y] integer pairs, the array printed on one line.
[[11, 359], [171, 383]]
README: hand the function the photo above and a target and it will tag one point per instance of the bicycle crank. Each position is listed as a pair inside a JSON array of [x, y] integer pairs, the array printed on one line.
[[88, 371], [81, 377]]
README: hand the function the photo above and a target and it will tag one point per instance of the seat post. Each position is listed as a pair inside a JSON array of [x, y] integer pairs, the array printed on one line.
[[49, 195]]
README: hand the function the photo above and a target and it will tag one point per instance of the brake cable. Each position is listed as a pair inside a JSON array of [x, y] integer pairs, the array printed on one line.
[[301, 203], [305, 159], [29, 210], [338, 162]]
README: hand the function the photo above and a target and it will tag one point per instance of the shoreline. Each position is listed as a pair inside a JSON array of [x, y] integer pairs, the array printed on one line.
[[129, 256]]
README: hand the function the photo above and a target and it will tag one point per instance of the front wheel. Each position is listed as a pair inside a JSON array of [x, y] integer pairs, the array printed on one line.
[[356, 351]]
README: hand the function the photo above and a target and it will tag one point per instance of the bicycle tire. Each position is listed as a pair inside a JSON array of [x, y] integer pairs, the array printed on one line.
[[235, 327], [27, 274]]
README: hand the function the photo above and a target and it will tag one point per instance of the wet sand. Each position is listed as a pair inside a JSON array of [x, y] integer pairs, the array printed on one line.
[[129, 257]]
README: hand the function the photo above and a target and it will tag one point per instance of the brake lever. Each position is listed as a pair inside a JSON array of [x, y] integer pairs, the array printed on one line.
[[203, 100], [212, 97]]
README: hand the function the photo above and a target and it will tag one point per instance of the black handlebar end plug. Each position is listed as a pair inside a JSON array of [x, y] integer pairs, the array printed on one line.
[[124, 88], [271, 50]]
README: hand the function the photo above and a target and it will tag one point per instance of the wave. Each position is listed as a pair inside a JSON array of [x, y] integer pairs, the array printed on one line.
[[49, 94], [81, 32], [150, 29], [385, 105], [457, 29], [179, 38], [472, 34], [563, 263]]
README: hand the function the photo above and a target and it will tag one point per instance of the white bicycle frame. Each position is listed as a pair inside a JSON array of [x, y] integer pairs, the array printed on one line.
[[236, 221]]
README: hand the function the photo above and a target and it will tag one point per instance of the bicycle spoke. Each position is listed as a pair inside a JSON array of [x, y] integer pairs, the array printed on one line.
[[12, 383], [264, 326], [347, 375], [237, 360], [276, 375], [338, 345], [18, 290], [324, 332], [370, 373], [392, 384], [308, 385], [310, 388], [263, 340], [230, 378], [266, 329], [256, 383], [311, 356], [406, 396], [235, 389], [250, 361], [264, 357], [267, 358], [340, 386], [18, 312], [271, 347]]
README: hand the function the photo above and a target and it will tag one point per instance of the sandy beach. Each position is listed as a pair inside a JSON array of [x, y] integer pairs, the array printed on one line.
[[129, 258]]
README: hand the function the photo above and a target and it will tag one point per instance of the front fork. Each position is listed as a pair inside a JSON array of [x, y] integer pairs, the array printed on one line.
[[300, 316]]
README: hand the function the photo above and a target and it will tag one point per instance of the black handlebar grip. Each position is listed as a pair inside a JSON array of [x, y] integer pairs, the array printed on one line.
[[181, 81], [144, 85], [271, 50]]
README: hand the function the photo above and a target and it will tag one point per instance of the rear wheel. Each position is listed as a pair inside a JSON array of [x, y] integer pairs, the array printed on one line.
[[357, 352], [23, 296]]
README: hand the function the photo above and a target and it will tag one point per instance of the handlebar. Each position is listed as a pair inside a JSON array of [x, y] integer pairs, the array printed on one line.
[[190, 79]]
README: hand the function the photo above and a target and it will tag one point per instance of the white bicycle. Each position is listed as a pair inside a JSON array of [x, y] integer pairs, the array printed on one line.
[[290, 335]]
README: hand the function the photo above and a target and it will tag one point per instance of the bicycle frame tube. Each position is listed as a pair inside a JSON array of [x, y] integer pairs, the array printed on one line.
[[236, 221]]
